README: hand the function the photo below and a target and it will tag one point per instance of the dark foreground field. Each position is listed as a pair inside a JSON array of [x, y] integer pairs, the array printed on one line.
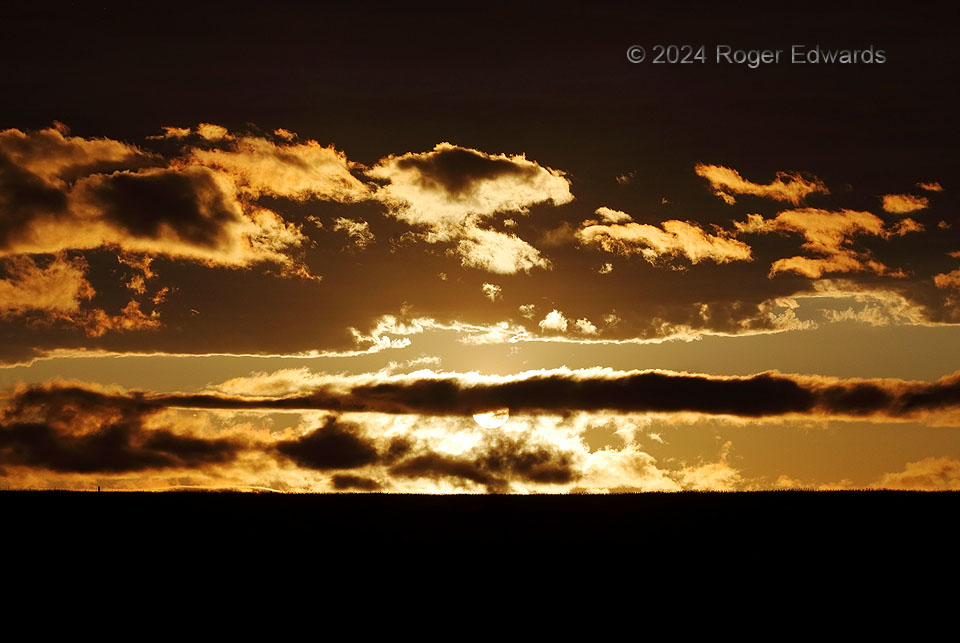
[[868, 529], [231, 558]]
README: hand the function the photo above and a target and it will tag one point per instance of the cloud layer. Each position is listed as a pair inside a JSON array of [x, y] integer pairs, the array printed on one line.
[[565, 391]]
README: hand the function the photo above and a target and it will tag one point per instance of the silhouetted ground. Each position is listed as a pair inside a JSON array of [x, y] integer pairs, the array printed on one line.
[[875, 528], [225, 556]]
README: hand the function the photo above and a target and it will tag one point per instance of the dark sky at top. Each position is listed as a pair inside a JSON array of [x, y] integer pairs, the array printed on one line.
[[548, 79]]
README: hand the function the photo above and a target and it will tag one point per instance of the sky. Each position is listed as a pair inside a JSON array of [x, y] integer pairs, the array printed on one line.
[[476, 249]]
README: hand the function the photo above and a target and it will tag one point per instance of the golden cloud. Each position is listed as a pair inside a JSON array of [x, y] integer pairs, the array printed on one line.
[[55, 292], [357, 230], [58, 287], [827, 233], [53, 158], [929, 474], [790, 187], [294, 171], [68, 193], [497, 252], [904, 203], [451, 191], [616, 233]]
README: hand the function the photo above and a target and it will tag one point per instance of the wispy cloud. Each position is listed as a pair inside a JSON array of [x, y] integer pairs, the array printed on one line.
[[790, 187]]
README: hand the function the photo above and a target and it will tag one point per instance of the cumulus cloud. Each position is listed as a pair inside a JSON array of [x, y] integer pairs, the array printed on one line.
[[492, 292], [624, 470], [704, 319], [171, 132], [58, 207], [711, 476], [451, 191], [616, 233], [609, 215], [448, 185], [586, 327], [68, 193], [57, 288], [830, 235], [212, 132], [790, 187], [554, 321], [98, 322], [947, 279], [904, 203], [357, 230], [54, 292], [36, 172], [929, 474], [187, 213], [498, 252], [297, 171]]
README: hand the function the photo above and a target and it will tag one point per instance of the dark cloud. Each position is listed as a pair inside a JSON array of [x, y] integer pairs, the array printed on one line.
[[37, 169], [755, 396], [562, 391], [943, 393], [71, 429], [496, 462], [74, 430], [859, 398], [335, 445], [63, 402], [113, 448], [24, 196], [344, 482], [456, 169], [437, 465], [189, 202], [493, 463]]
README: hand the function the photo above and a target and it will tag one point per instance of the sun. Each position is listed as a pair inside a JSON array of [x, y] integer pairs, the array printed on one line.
[[492, 419]]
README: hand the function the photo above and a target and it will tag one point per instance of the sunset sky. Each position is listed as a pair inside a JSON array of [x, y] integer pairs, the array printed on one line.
[[300, 250]]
